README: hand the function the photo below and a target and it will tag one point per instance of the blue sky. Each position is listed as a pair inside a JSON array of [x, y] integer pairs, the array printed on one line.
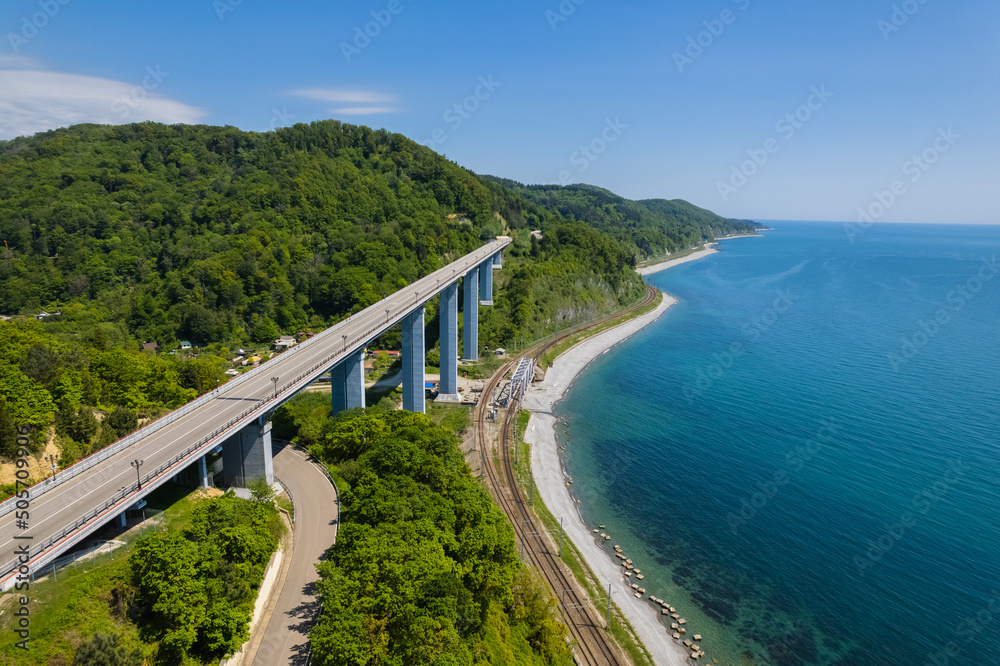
[[617, 94]]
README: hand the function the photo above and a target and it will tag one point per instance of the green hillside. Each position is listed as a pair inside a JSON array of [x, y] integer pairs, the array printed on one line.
[[227, 239], [647, 228]]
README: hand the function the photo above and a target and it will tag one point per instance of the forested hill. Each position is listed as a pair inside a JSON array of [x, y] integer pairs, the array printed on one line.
[[152, 233], [648, 228], [211, 233]]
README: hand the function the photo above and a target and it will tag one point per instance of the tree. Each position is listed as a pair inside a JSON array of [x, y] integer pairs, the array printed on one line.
[[261, 491], [122, 421], [8, 433]]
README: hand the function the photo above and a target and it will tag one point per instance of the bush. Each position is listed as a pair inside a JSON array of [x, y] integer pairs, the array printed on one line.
[[105, 650]]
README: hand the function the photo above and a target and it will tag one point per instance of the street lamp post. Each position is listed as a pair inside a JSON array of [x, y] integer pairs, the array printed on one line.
[[53, 464], [275, 380], [138, 479]]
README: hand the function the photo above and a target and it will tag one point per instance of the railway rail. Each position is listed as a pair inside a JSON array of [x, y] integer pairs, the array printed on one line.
[[594, 647]]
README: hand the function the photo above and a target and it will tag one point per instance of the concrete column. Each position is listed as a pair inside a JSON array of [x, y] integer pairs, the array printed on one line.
[[413, 361], [354, 385], [122, 522], [470, 286], [338, 388], [448, 315], [486, 283], [203, 471], [498, 261], [247, 454], [347, 383]]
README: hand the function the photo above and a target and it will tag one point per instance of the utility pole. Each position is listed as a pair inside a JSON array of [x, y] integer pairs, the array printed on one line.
[[560, 536], [531, 489]]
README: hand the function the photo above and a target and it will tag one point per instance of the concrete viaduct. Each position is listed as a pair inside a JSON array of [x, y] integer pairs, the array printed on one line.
[[235, 418]]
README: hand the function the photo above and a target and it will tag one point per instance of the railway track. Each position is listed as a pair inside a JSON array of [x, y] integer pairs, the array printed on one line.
[[594, 646]]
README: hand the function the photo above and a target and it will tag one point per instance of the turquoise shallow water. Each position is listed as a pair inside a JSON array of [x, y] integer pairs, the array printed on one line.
[[803, 455]]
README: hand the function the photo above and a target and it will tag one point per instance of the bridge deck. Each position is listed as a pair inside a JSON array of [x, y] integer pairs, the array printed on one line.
[[67, 512]]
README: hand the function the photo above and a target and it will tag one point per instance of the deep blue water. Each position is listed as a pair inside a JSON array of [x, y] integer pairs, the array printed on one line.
[[803, 455]]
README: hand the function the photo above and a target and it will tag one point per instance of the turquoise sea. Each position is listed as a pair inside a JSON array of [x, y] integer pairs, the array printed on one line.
[[803, 455]]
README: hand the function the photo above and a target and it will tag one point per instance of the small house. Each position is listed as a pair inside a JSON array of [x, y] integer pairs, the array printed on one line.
[[284, 342], [185, 344]]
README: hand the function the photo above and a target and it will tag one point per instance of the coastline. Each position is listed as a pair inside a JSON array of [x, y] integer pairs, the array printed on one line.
[[710, 248], [549, 476]]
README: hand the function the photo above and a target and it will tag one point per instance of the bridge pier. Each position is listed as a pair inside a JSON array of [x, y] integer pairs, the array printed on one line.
[[470, 288], [122, 521], [347, 383], [413, 361], [486, 282], [247, 454], [203, 471], [498, 261], [448, 316]]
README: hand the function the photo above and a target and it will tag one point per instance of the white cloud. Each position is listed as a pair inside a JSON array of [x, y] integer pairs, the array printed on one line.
[[372, 102], [343, 96], [362, 110], [34, 101]]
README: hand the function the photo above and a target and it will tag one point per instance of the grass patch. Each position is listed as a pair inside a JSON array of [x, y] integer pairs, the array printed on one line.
[[456, 418], [286, 504]]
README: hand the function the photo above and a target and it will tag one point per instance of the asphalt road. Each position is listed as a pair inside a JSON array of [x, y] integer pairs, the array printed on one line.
[[68, 504], [284, 636]]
